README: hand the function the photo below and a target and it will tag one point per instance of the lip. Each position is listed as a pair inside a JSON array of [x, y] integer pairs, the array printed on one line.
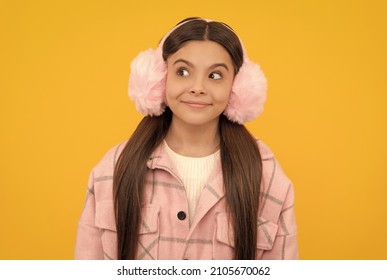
[[196, 104]]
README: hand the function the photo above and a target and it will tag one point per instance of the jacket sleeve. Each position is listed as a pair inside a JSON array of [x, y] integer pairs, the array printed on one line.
[[88, 242], [285, 245]]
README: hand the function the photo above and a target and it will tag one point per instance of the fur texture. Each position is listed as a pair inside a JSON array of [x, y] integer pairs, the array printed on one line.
[[248, 94], [147, 82]]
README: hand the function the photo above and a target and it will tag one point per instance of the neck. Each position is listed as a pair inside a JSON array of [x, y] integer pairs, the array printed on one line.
[[193, 140]]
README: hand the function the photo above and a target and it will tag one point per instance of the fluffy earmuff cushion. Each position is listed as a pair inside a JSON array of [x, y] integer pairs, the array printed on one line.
[[248, 94], [147, 82]]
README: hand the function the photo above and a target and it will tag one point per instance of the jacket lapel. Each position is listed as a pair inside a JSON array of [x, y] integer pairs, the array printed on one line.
[[161, 160], [211, 194]]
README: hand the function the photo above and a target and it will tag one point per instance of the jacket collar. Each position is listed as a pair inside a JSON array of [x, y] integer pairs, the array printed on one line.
[[161, 160]]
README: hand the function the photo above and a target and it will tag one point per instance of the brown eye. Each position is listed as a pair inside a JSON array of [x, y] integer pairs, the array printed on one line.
[[183, 72], [215, 76]]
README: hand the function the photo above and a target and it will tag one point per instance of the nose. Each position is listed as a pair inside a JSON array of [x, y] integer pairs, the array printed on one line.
[[197, 87], [197, 91]]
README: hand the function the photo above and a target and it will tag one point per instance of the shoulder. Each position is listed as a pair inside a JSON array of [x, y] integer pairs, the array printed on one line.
[[264, 150], [101, 178], [105, 166], [275, 183]]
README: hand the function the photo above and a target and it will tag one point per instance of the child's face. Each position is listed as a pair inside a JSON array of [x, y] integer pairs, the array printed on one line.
[[199, 81]]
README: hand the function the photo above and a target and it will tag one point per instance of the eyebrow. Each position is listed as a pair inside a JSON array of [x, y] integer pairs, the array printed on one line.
[[191, 65]]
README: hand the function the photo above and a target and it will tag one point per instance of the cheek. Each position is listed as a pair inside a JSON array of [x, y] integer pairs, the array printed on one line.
[[170, 88], [222, 94], [174, 86], [168, 82]]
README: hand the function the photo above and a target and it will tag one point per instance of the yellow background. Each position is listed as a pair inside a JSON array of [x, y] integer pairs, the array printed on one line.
[[63, 85]]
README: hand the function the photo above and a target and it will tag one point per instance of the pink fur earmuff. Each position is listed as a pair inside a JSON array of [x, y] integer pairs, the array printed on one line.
[[148, 77]]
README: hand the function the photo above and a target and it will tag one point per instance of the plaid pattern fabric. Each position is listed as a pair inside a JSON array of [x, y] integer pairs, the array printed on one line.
[[164, 236]]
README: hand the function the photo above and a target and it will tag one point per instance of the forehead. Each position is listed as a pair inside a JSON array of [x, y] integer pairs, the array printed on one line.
[[202, 52]]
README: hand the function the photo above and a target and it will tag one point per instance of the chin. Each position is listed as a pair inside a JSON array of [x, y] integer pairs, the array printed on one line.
[[200, 121]]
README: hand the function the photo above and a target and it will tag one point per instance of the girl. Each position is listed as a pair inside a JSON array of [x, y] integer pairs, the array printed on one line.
[[191, 182]]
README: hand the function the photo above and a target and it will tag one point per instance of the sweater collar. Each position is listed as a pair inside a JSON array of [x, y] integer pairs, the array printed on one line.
[[160, 159]]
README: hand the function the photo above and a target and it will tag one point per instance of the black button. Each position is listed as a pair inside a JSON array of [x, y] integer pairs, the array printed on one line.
[[181, 215]]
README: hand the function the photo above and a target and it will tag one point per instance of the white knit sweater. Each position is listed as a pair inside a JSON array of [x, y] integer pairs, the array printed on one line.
[[194, 172]]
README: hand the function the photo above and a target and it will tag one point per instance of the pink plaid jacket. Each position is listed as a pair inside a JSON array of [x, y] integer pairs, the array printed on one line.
[[165, 232]]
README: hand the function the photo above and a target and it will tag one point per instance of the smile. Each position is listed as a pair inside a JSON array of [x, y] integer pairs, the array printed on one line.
[[196, 104]]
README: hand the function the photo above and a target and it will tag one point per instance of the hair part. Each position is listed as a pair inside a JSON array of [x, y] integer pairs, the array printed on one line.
[[201, 30]]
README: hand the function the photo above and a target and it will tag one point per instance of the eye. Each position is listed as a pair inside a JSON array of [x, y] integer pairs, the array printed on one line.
[[183, 72], [215, 76]]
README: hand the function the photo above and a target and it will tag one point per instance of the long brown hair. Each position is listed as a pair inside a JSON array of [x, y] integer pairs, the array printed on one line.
[[240, 157]]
